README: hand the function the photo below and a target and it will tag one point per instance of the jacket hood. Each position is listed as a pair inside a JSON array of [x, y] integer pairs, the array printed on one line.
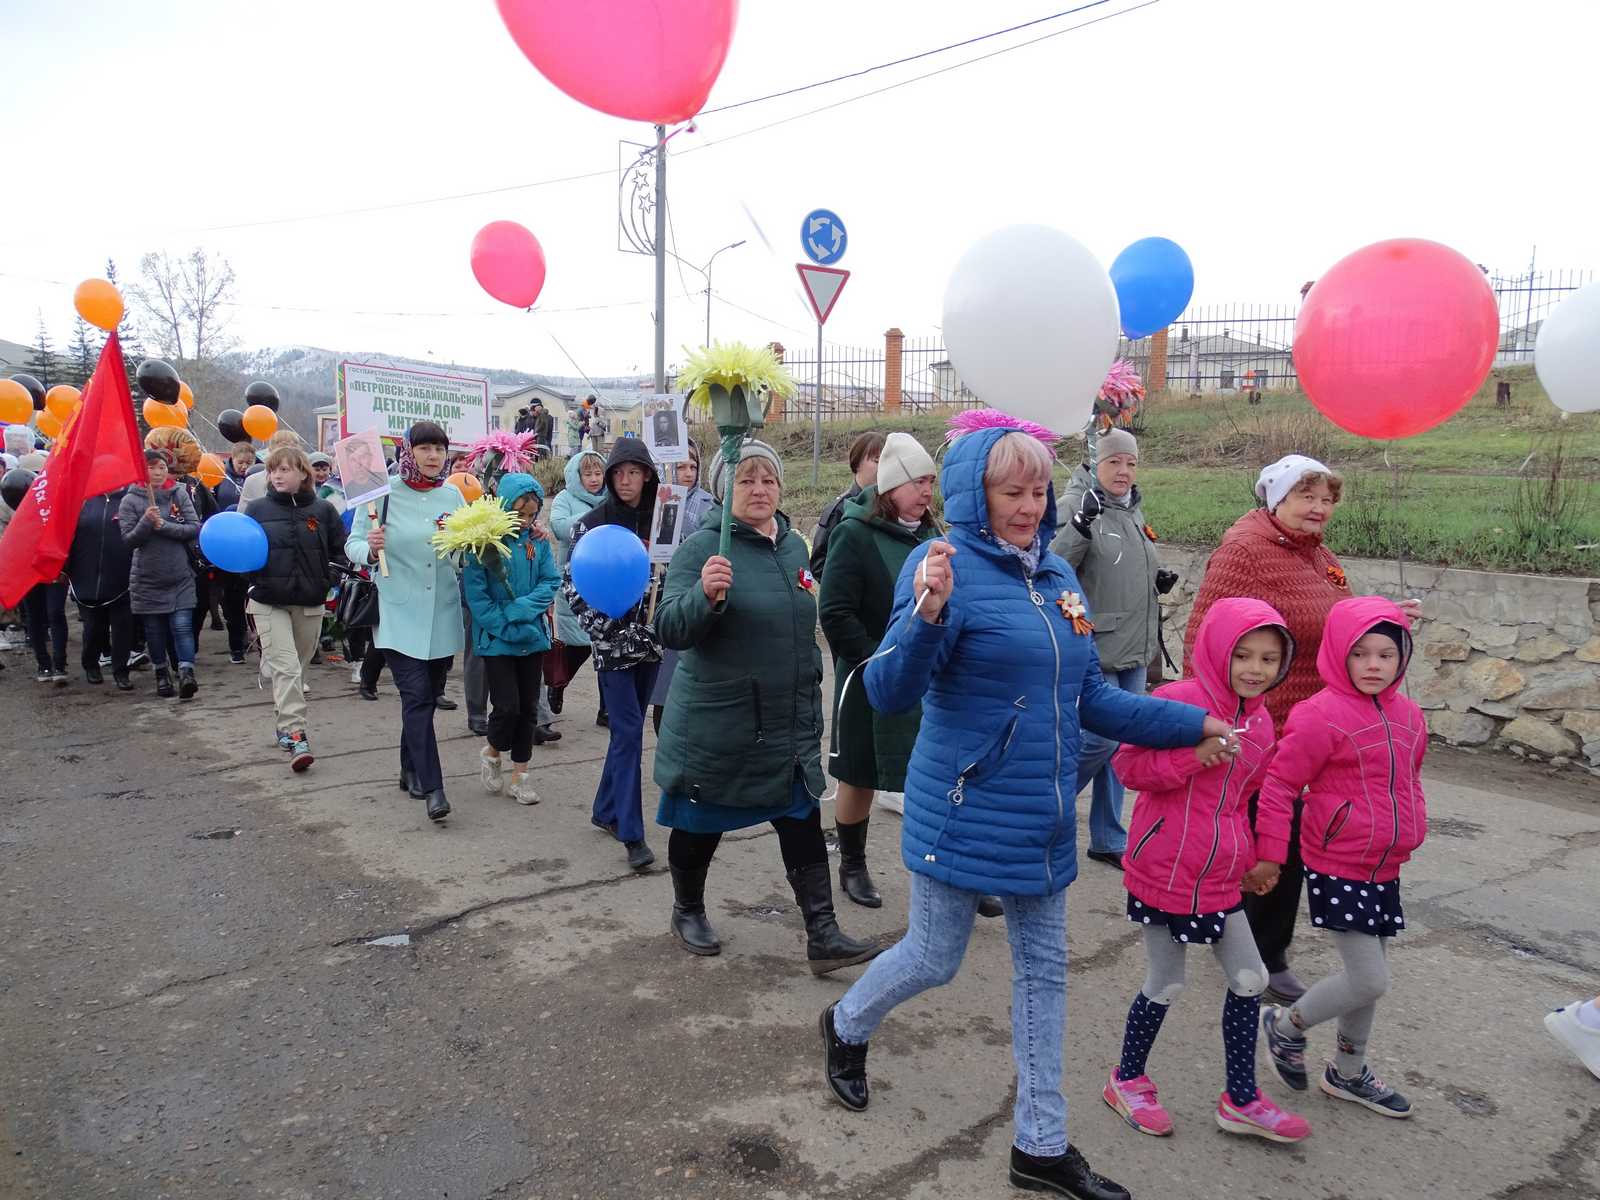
[[1226, 623], [516, 484], [575, 479], [1348, 622], [961, 482]]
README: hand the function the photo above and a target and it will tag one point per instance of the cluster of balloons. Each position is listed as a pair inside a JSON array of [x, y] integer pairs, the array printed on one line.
[[1396, 337], [259, 418], [610, 569], [1567, 352]]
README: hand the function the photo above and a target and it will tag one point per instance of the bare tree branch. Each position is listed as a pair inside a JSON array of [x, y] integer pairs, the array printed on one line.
[[160, 296]]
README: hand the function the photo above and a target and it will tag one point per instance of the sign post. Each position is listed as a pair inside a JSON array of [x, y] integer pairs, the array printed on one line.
[[822, 286]]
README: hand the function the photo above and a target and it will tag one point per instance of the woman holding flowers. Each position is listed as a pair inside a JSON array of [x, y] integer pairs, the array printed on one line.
[[419, 626], [510, 578]]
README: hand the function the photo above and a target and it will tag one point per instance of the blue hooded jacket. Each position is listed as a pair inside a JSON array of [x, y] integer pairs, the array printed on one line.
[[1004, 682], [510, 597]]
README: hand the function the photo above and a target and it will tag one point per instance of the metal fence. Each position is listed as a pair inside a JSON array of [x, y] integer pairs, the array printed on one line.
[[1210, 348]]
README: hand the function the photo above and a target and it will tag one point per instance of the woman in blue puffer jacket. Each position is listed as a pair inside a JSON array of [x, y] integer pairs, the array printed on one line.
[[990, 634], [510, 597]]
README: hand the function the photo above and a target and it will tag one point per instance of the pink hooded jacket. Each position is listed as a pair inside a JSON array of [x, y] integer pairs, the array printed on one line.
[[1358, 757], [1189, 841]]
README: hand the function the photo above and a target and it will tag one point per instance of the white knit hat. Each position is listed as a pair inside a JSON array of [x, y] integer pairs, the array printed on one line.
[[1278, 479], [903, 459]]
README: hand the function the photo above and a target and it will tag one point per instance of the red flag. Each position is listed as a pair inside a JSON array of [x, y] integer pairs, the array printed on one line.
[[102, 451]]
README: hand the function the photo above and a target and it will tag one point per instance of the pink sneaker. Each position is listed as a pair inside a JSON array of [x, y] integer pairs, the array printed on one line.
[[1135, 1100], [1261, 1118]]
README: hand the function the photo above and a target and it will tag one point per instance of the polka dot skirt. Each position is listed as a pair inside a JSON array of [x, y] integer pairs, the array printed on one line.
[[1200, 929], [1354, 905]]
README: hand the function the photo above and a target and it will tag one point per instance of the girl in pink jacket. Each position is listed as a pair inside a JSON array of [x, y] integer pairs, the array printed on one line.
[[1356, 749], [1190, 849]]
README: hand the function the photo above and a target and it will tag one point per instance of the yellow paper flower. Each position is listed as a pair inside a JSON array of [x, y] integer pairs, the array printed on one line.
[[732, 366], [480, 528]]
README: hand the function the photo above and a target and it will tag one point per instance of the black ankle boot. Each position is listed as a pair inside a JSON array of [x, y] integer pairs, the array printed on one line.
[[846, 1065], [558, 696], [1068, 1175], [855, 880], [689, 912], [438, 806], [827, 948], [164, 686], [187, 685]]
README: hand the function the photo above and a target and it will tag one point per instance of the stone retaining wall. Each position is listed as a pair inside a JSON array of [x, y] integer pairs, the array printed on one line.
[[1511, 662]]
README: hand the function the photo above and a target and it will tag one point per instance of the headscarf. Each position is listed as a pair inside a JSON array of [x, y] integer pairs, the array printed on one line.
[[411, 474]]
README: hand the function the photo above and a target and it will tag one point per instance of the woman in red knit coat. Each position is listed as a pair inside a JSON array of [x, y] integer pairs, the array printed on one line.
[[1276, 554]]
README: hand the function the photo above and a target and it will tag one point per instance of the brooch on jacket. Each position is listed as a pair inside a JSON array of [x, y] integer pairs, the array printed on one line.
[[1337, 578], [438, 522], [1150, 533], [1071, 605], [806, 580], [311, 524]]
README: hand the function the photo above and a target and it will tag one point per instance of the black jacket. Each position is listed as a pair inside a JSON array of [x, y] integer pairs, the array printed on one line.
[[304, 534], [831, 516], [629, 640], [99, 560]]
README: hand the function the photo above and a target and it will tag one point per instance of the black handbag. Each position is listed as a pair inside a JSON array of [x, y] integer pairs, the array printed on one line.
[[358, 599]]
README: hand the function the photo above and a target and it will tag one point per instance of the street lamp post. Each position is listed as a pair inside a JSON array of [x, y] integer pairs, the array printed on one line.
[[706, 271]]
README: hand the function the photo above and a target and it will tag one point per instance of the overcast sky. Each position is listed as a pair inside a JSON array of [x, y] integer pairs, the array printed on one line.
[[1268, 137]]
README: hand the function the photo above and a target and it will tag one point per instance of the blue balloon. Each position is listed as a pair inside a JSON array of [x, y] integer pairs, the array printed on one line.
[[1154, 280], [234, 542], [610, 569], [347, 516]]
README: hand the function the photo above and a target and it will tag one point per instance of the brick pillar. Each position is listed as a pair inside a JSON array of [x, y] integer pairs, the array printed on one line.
[[776, 412], [893, 375], [1156, 372]]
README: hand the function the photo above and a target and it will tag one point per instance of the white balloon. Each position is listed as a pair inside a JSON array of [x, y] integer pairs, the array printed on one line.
[[1031, 325], [1567, 353]]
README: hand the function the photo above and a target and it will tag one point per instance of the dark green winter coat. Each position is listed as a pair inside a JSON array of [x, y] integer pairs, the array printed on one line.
[[745, 706], [865, 553]]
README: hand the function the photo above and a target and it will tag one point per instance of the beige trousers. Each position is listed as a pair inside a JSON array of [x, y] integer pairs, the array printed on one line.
[[289, 638]]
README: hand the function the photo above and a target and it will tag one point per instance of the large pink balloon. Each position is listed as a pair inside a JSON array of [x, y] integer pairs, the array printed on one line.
[[509, 263], [1396, 337], [647, 60]]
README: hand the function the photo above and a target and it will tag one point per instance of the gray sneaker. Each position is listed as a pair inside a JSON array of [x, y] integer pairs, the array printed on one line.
[[1288, 1053], [1365, 1089]]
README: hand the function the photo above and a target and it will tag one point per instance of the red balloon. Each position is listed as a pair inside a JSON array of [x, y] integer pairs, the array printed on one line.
[[646, 60], [509, 263], [1396, 337]]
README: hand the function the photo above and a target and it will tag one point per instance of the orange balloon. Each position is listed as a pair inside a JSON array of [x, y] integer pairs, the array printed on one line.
[[98, 303], [48, 424], [211, 470], [467, 485], [185, 394], [260, 422], [16, 405], [157, 414], [62, 400]]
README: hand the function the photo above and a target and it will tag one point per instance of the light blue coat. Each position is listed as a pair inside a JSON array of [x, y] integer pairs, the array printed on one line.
[[419, 601], [572, 505]]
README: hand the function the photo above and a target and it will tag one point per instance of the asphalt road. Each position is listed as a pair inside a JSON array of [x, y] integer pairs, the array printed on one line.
[[189, 1006]]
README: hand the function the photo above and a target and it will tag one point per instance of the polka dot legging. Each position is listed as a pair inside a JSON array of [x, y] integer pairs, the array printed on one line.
[[1164, 981]]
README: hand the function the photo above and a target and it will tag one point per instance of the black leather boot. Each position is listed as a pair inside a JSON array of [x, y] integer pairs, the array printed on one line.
[[846, 1065], [689, 912], [164, 686], [438, 806], [408, 783], [557, 697], [855, 880], [187, 684], [827, 948]]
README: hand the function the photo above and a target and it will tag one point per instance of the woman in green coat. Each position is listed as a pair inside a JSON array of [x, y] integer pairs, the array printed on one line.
[[866, 550], [741, 740]]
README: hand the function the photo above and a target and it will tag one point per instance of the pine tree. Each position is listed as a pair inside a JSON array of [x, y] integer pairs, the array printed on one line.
[[83, 356], [42, 366]]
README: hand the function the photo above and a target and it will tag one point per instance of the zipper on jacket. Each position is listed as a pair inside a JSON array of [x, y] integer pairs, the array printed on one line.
[[1148, 834], [1394, 801], [1336, 822], [755, 696], [958, 793], [1216, 822], [1055, 697]]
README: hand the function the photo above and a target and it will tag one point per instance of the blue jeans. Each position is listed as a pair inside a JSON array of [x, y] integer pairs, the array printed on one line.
[[618, 800], [929, 955], [174, 629], [1094, 763]]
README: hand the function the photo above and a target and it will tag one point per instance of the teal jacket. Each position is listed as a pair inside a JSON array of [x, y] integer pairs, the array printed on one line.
[[419, 601], [509, 597], [745, 707], [570, 506]]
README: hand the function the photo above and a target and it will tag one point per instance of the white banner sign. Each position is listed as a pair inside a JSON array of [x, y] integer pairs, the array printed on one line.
[[390, 400]]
